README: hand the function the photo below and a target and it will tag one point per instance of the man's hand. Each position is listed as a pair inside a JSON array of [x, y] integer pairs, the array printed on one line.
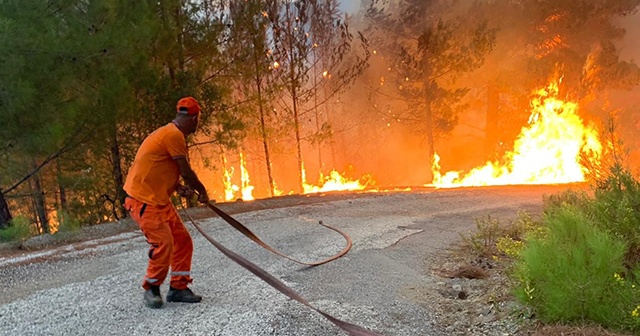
[[185, 191], [203, 197], [191, 179]]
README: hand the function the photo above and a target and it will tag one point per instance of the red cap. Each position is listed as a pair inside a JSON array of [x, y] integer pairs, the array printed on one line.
[[188, 105]]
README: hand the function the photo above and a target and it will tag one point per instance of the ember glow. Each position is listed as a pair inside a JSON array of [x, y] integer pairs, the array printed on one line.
[[546, 152]]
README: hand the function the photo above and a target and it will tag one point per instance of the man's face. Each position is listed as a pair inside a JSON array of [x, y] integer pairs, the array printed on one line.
[[193, 125]]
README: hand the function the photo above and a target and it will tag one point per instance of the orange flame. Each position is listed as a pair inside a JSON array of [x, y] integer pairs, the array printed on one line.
[[545, 152], [227, 176], [276, 190], [230, 189], [334, 182], [247, 189]]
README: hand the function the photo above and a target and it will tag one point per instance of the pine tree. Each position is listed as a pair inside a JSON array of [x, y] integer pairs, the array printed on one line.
[[430, 43], [251, 44], [312, 36]]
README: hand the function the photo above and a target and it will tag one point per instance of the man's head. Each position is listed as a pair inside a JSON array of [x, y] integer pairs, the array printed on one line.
[[188, 115]]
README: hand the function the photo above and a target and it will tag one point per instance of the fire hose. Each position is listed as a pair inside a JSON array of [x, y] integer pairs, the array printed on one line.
[[245, 231], [350, 328]]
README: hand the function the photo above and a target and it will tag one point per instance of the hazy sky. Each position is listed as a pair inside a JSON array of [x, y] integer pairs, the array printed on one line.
[[350, 6]]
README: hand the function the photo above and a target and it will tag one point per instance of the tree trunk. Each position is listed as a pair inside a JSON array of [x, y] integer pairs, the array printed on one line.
[[263, 127], [40, 204], [320, 162], [61, 209], [296, 123], [267, 155], [61, 189], [179, 38], [118, 178], [429, 123], [430, 138], [315, 110], [5, 214], [491, 128], [327, 112], [294, 100]]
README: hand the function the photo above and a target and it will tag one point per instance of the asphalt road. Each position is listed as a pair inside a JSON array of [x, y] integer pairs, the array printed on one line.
[[94, 288]]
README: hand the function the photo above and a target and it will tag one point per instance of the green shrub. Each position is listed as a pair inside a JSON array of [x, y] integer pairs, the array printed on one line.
[[19, 229], [630, 295], [569, 275], [512, 243], [483, 241], [574, 198], [616, 209], [493, 238]]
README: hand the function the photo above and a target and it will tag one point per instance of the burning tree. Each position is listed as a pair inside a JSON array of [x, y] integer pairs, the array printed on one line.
[[539, 40], [573, 41], [429, 44], [252, 42], [579, 36], [547, 151], [316, 61]]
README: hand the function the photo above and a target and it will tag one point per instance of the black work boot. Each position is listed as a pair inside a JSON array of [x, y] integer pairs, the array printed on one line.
[[152, 297], [182, 295]]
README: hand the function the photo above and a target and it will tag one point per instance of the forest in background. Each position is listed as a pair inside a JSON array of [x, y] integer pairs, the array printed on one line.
[[299, 88]]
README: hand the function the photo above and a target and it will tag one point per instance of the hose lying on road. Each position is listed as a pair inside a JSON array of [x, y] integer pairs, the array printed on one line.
[[245, 231], [350, 328]]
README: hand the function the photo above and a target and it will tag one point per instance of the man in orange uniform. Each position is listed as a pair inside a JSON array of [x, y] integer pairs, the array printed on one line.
[[153, 177]]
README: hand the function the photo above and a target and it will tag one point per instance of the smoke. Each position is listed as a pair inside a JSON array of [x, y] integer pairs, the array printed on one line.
[[629, 47], [627, 103]]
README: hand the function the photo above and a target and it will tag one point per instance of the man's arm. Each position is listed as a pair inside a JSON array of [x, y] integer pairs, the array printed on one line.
[[192, 180]]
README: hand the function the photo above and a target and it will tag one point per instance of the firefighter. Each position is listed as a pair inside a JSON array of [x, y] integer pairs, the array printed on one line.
[[153, 177]]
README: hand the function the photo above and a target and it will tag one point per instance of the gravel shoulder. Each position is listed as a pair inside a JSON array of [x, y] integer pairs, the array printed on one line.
[[395, 280]]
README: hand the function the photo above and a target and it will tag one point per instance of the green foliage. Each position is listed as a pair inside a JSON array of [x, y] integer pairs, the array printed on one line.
[[585, 268], [574, 198], [18, 230], [509, 246], [483, 241], [524, 227], [83, 82], [570, 274], [616, 209]]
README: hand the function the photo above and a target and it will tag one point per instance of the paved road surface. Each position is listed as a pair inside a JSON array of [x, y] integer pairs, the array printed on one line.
[[93, 289]]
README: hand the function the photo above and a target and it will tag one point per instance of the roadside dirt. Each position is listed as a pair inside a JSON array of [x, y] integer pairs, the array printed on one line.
[[475, 292]]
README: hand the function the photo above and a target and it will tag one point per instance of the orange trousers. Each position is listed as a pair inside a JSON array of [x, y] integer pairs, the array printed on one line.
[[171, 244]]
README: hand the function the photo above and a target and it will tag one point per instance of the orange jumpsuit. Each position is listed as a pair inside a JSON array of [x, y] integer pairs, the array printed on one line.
[[149, 185]]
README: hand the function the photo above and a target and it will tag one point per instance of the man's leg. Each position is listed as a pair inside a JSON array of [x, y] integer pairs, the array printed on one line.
[[181, 262], [156, 230], [154, 223]]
